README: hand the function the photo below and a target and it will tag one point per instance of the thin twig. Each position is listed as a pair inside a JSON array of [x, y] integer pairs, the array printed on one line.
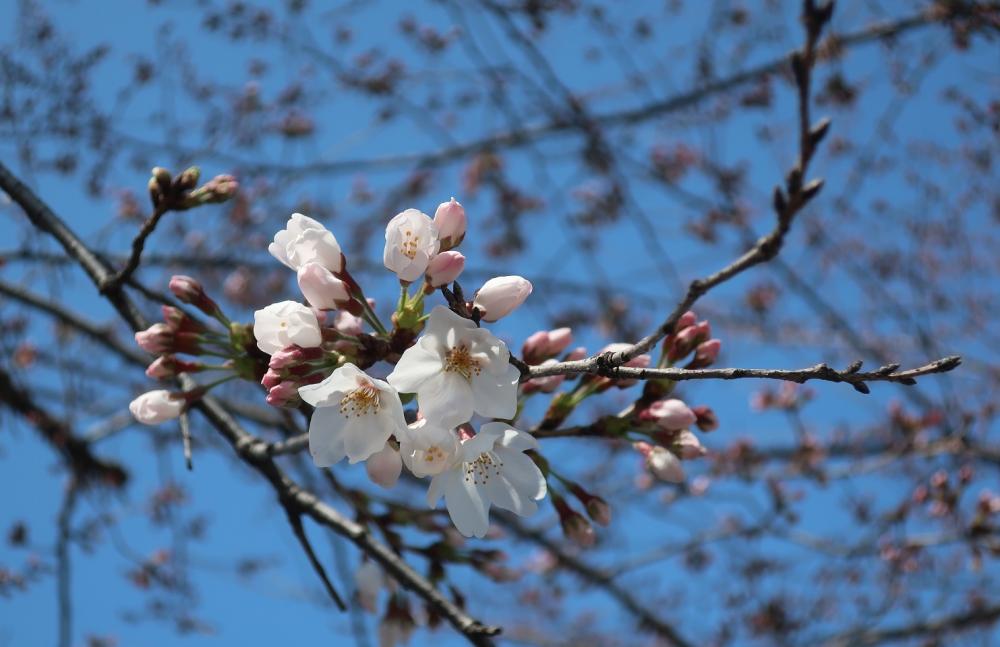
[[186, 439], [138, 244], [850, 375]]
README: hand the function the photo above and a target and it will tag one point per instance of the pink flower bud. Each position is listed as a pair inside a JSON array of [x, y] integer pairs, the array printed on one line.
[[687, 319], [705, 354], [577, 353], [186, 289], [168, 366], [158, 338], [178, 321], [384, 466], [271, 379], [687, 339], [450, 222], [154, 407], [500, 296], [445, 268], [189, 290], [283, 394], [687, 445], [545, 344], [321, 288], [707, 420], [669, 414], [661, 462], [599, 510], [577, 529]]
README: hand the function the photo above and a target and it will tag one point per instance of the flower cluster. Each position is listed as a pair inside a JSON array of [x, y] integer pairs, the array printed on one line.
[[455, 370]]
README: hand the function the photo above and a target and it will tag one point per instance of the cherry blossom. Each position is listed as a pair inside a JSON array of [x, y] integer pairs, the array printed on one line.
[[411, 241], [457, 369], [490, 469], [355, 415], [304, 240], [321, 288], [501, 295], [154, 407], [283, 324], [428, 449]]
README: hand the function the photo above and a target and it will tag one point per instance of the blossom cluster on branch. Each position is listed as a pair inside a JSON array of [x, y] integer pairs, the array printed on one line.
[[317, 352]]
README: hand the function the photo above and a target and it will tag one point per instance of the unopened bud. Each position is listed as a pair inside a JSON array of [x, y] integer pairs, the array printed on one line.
[[545, 344], [599, 510], [167, 366], [707, 420], [500, 296], [671, 414], [445, 268], [687, 445], [705, 354], [158, 338], [284, 394], [450, 222], [188, 179]]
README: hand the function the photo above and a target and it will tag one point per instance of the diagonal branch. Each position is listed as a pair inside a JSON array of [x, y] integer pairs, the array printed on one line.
[[293, 496]]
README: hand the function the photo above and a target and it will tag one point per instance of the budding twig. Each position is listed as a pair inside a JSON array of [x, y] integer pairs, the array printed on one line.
[[851, 375]]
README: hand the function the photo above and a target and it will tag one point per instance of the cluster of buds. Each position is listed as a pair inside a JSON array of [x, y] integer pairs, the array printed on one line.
[[541, 349], [180, 333], [671, 420], [168, 193], [291, 368], [691, 336]]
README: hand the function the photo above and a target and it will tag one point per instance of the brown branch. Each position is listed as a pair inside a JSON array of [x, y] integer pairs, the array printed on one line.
[[138, 244], [517, 138], [787, 203], [76, 453], [851, 375], [289, 493], [959, 622], [99, 334]]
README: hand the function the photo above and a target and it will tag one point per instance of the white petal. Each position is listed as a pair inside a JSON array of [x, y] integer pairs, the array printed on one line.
[[447, 399], [522, 474], [442, 320], [466, 507], [496, 397], [364, 436], [326, 440], [330, 391], [516, 440], [436, 488], [416, 366]]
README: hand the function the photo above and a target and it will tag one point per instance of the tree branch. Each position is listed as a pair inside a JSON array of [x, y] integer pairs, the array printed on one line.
[[851, 375], [290, 493]]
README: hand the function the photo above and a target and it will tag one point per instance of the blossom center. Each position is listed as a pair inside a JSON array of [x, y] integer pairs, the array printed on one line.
[[434, 454], [410, 244], [479, 471], [459, 360], [361, 401]]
